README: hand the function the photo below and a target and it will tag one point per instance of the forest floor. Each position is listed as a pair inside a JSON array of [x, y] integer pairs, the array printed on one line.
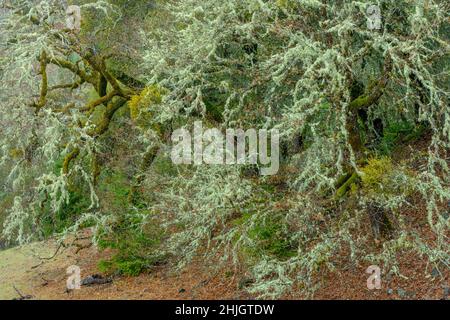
[[27, 272]]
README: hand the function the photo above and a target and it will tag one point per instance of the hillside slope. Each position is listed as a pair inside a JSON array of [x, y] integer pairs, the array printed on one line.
[[23, 268]]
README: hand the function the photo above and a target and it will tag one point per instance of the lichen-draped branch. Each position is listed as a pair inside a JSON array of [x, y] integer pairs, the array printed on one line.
[[369, 98], [68, 159], [44, 82], [304, 67]]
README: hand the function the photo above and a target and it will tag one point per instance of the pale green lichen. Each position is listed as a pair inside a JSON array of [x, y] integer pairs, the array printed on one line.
[[242, 63]]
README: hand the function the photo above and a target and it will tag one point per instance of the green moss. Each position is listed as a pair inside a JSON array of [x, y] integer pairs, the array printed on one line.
[[381, 178], [346, 186], [140, 105], [68, 159], [16, 153], [376, 172], [359, 103]]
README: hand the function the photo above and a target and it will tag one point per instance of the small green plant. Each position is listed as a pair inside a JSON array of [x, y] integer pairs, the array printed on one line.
[[136, 248], [65, 217], [134, 239], [271, 238], [398, 132], [123, 265]]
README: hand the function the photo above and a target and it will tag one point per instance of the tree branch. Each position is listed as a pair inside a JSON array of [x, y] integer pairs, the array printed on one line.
[[111, 109], [68, 158], [91, 105], [72, 86], [367, 99], [75, 69], [44, 82]]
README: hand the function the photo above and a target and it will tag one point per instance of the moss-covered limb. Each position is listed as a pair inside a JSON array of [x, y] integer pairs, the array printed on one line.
[[71, 86], [101, 128], [66, 108], [44, 82], [354, 136], [367, 99], [124, 92], [146, 162], [111, 109], [342, 179], [343, 189], [68, 158], [63, 63], [104, 99], [99, 65], [99, 78], [364, 101]]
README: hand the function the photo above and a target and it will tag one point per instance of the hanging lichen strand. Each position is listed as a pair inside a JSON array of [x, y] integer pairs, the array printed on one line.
[[341, 94]]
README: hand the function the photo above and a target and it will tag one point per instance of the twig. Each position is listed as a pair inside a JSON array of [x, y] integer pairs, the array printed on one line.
[[22, 297], [81, 247], [54, 255], [38, 265]]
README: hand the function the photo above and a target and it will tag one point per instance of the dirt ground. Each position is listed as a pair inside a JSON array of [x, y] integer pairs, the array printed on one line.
[[27, 271]]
